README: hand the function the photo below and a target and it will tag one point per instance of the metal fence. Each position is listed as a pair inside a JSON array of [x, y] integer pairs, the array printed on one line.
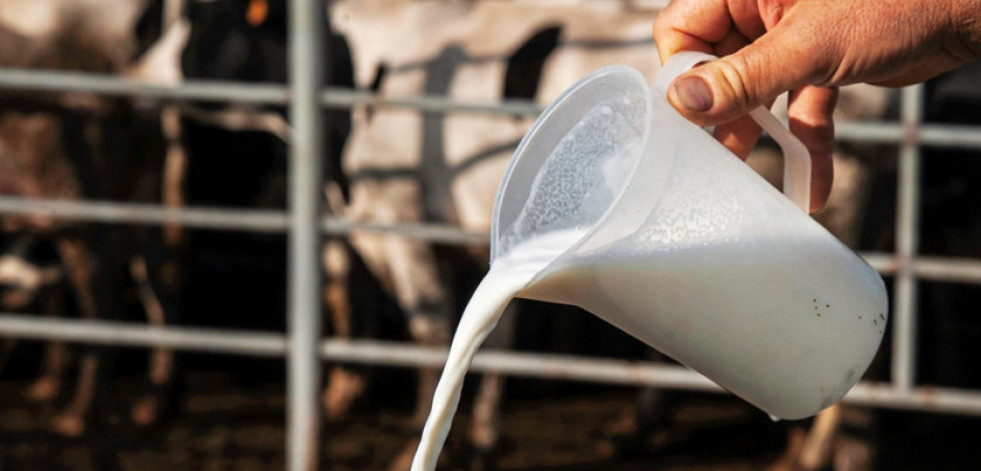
[[303, 346]]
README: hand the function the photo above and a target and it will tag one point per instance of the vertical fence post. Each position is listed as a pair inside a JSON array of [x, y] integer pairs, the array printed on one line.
[[306, 18], [907, 242]]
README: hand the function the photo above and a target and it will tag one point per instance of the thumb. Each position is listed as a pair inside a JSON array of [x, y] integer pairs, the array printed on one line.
[[724, 89]]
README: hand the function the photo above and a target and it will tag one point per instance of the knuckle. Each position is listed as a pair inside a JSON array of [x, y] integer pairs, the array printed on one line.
[[815, 119], [732, 79], [663, 26], [817, 136]]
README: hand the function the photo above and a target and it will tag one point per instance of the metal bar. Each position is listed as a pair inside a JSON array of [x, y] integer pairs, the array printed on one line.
[[147, 214], [950, 269], [241, 92], [573, 368], [556, 367], [907, 231], [436, 233], [923, 398], [943, 269], [224, 219], [950, 136], [873, 132], [546, 366], [190, 90], [943, 136], [334, 97], [306, 25], [884, 263], [342, 98], [131, 334]]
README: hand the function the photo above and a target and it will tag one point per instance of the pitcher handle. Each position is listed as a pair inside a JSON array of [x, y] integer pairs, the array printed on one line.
[[796, 158]]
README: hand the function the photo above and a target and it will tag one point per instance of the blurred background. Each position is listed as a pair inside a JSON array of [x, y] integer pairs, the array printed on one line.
[[115, 113]]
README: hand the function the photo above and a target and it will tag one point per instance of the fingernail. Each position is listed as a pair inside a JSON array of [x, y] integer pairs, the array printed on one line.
[[693, 93]]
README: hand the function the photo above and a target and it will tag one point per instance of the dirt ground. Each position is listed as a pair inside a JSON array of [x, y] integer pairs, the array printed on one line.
[[225, 422], [229, 415]]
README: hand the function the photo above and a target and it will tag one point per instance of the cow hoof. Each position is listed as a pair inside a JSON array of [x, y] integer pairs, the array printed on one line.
[[343, 389], [146, 411], [42, 390], [68, 424]]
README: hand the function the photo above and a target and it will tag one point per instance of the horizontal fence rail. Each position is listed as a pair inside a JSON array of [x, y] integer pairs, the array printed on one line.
[[946, 269], [249, 220], [556, 367], [944, 136]]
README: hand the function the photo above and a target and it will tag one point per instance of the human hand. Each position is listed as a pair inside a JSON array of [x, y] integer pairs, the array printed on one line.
[[807, 47]]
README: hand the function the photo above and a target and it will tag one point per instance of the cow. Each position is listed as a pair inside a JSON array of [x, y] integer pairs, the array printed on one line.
[[406, 166], [246, 41], [410, 166], [78, 146]]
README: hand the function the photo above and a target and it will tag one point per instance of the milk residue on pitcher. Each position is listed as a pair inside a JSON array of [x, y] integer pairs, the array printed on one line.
[[506, 279], [581, 176]]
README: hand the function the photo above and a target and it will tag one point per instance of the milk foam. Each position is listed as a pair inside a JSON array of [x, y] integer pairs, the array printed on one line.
[[507, 277]]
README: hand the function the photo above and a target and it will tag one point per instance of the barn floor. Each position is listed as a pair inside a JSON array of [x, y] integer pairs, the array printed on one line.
[[230, 422], [230, 417]]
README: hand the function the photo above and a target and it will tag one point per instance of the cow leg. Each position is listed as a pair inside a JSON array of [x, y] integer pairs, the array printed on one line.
[[71, 421], [422, 295], [825, 445], [156, 271], [430, 331], [485, 428], [175, 171], [46, 387], [344, 386], [854, 447], [147, 408], [91, 280], [816, 451]]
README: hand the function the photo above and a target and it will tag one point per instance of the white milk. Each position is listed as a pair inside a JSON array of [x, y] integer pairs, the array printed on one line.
[[739, 303], [718, 294], [506, 279]]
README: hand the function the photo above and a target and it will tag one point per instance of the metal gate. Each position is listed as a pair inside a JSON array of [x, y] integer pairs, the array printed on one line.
[[303, 346]]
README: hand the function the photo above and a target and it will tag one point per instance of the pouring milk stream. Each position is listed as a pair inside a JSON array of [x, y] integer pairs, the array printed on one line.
[[617, 204]]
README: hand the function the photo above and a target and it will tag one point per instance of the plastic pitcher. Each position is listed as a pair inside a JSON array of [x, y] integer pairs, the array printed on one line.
[[680, 244]]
